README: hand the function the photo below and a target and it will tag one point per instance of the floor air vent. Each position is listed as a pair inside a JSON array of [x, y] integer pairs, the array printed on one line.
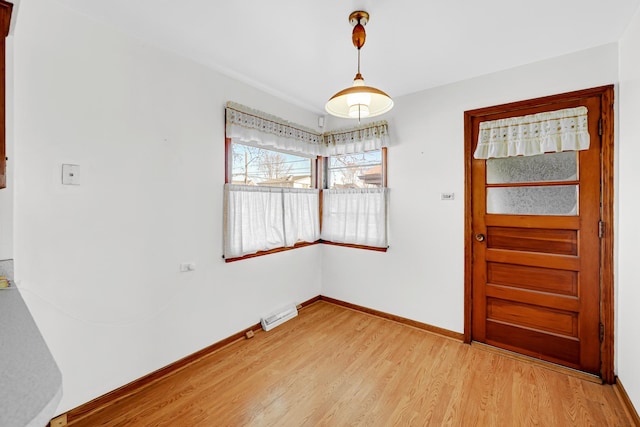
[[279, 317]]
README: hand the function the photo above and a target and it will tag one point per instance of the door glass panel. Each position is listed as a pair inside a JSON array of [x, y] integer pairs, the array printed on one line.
[[541, 168], [548, 200]]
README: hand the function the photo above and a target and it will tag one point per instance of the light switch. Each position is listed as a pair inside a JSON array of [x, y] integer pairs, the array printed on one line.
[[447, 196], [70, 174]]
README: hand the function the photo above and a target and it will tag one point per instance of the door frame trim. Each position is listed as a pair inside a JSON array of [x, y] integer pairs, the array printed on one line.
[[606, 94]]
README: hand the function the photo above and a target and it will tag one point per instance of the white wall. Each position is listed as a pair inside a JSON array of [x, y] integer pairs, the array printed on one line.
[[422, 275], [98, 263], [6, 209], [628, 235]]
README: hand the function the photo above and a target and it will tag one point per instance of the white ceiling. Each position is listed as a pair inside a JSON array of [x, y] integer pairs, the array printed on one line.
[[301, 50]]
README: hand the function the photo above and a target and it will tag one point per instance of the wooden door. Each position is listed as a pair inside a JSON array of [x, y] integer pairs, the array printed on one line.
[[535, 271]]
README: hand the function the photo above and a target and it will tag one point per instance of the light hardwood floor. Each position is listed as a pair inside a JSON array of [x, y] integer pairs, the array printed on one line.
[[332, 366]]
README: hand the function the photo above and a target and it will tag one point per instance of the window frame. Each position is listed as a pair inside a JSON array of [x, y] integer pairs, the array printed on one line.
[[228, 147], [313, 167], [383, 164], [324, 180], [318, 181]]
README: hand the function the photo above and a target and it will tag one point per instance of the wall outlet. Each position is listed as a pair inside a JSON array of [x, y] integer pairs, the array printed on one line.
[[70, 174], [187, 266]]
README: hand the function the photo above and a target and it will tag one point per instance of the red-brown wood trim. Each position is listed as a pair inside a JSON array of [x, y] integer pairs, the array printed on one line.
[[273, 251], [133, 387], [3, 152], [5, 23], [385, 175], [5, 17], [350, 245], [424, 326], [136, 385], [227, 153], [468, 226], [626, 401], [606, 94], [512, 107], [606, 243], [525, 221], [319, 169], [533, 184]]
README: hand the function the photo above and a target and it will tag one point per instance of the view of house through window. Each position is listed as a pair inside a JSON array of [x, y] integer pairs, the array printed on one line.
[[357, 170], [269, 168]]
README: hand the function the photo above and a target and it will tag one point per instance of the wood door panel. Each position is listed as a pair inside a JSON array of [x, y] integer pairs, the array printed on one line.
[[540, 279], [531, 221], [534, 343], [561, 242], [537, 317], [562, 262], [560, 302]]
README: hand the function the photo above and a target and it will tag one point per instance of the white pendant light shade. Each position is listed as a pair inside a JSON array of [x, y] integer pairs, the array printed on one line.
[[359, 100]]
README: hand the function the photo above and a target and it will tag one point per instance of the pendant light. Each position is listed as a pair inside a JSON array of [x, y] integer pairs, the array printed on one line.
[[359, 100]]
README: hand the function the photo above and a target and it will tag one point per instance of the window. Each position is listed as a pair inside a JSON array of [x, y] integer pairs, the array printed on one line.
[[533, 149], [272, 197], [356, 170], [271, 202], [269, 168], [355, 203]]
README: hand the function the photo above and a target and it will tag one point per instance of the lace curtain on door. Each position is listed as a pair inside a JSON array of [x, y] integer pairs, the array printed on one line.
[[530, 135], [535, 148]]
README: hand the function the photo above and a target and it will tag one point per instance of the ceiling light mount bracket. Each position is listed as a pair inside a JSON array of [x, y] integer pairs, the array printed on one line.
[[358, 17]]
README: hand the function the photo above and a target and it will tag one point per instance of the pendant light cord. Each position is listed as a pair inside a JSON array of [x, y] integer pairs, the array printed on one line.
[[358, 74]]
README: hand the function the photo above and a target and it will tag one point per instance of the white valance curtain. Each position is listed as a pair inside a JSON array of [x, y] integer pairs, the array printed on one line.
[[530, 135], [356, 216], [255, 128], [264, 218], [372, 136], [252, 127]]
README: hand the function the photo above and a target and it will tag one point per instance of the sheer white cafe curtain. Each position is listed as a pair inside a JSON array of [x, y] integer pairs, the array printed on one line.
[[263, 218], [356, 216], [533, 134]]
